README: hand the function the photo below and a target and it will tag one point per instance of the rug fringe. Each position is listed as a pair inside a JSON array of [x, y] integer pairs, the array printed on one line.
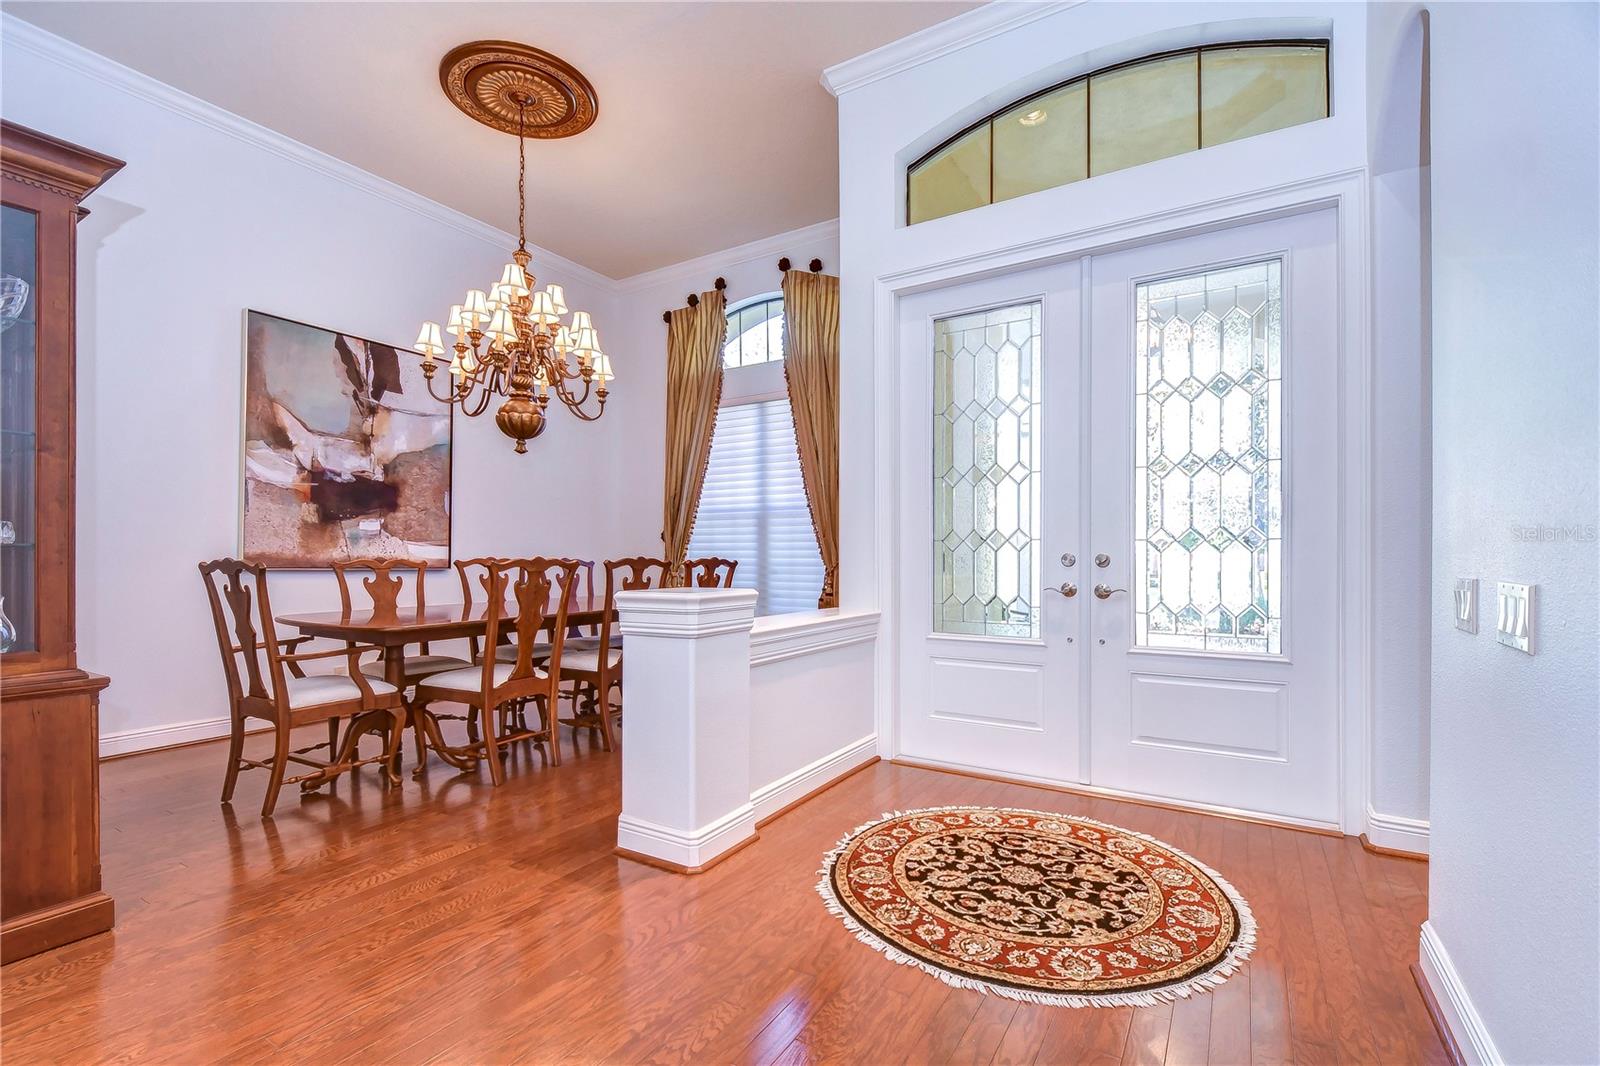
[[1230, 963]]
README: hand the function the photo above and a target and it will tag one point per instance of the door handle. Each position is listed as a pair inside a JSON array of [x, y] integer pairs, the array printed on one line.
[[1067, 589], [1104, 592]]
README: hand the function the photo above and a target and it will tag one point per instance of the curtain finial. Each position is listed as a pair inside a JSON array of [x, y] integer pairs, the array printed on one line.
[[816, 266], [783, 264]]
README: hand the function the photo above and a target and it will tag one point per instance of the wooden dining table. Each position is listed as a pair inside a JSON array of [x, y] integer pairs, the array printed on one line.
[[393, 631]]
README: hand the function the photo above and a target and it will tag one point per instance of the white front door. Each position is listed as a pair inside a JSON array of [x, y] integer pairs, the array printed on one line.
[[1186, 435], [990, 503]]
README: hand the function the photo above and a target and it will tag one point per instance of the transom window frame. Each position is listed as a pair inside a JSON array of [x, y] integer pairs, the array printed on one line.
[[1325, 43]]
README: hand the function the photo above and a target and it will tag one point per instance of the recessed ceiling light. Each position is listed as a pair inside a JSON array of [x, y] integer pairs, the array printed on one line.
[[1034, 117]]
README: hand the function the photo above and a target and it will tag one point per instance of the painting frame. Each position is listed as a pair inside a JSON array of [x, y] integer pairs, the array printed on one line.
[[276, 560]]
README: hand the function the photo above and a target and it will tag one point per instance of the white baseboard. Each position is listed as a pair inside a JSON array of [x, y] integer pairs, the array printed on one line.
[[771, 798], [129, 741], [691, 848], [1397, 832], [1455, 1006]]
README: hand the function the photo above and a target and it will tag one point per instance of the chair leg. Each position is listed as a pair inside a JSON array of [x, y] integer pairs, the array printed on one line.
[[333, 738], [419, 738], [602, 707], [472, 724], [235, 753], [491, 746], [280, 763]]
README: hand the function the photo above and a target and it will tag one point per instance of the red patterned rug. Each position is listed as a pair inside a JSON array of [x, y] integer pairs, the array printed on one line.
[[1040, 907]]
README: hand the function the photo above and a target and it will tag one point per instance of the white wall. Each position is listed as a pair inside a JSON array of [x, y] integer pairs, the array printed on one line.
[[1396, 42], [209, 217], [890, 116], [750, 270], [1516, 753]]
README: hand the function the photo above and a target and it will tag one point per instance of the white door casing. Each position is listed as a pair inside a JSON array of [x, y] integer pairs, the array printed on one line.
[[1245, 728]]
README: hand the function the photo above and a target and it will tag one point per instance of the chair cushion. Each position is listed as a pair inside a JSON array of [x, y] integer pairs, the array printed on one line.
[[469, 679], [507, 653], [328, 688], [417, 666], [588, 659]]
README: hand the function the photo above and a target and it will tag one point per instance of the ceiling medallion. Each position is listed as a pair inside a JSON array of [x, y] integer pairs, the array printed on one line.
[[498, 82]]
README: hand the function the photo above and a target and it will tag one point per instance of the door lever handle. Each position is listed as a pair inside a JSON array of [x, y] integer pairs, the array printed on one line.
[[1067, 589], [1104, 592]]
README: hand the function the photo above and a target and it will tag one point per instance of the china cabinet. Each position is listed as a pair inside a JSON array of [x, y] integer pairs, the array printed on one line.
[[50, 890]]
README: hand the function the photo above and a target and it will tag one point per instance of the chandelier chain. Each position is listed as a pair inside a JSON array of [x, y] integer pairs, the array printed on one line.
[[522, 180]]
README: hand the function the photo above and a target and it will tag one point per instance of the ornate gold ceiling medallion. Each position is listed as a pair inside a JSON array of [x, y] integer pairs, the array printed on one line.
[[492, 80]]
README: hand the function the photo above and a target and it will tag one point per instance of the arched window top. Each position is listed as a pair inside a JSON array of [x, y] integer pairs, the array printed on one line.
[[1120, 116], [755, 331]]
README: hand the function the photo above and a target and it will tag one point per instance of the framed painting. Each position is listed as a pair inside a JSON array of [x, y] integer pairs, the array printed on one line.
[[345, 453]]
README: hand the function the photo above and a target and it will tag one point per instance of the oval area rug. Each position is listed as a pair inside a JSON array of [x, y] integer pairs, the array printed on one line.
[[1040, 907]]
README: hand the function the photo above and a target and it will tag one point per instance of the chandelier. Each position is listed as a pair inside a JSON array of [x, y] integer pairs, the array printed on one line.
[[515, 340]]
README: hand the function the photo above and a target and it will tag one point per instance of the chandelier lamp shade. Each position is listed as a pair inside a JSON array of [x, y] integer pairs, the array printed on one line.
[[514, 340]]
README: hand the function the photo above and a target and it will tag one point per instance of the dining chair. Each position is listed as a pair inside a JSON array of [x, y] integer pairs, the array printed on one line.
[[710, 572], [577, 638], [596, 671], [383, 590], [266, 681], [501, 691]]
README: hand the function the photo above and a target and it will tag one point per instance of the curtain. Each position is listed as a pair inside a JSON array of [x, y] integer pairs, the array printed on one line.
[[811, 368], [694, 388]]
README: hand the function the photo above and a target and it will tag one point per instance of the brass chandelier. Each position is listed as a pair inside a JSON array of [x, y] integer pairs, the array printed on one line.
[[511, 340]]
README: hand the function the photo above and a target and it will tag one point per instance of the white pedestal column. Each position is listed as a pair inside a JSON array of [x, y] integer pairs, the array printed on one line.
[[686, 713]]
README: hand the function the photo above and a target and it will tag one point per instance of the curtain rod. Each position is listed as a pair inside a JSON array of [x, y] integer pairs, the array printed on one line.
[[693, 299]]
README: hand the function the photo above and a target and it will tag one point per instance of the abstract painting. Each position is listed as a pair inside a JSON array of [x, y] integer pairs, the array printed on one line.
[[345, 453]]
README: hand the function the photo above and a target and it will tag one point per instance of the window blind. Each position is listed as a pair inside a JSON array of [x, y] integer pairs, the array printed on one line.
[[753, 508]]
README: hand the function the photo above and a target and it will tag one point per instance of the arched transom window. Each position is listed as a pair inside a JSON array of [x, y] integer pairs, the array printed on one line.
[[1135, 112]]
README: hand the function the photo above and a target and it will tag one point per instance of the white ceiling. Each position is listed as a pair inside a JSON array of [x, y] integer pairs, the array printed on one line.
[[713, 128]]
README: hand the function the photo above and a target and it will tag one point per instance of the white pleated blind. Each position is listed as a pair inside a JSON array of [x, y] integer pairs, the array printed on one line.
[[753, 508]]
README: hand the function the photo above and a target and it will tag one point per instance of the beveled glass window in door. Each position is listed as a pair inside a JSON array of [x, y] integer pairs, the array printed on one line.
[[986, 472], [1208, 487]]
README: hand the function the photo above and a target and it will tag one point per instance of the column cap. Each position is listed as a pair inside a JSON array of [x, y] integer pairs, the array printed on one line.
[[693, 612]]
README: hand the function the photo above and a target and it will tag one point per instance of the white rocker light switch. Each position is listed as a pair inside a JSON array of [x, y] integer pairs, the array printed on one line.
[[1514, 627], [1466, 604]]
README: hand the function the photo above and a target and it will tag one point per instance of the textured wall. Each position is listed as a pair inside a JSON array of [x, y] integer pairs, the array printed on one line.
[[1514, 776]]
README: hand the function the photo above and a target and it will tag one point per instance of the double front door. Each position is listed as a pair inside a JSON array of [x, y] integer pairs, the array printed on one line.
[[1119, 513]]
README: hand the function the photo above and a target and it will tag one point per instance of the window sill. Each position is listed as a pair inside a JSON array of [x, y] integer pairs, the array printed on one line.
[[775, 638]]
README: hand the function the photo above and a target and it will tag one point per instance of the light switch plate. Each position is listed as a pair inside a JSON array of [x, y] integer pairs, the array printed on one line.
[[1466, 604], [1514, 625]]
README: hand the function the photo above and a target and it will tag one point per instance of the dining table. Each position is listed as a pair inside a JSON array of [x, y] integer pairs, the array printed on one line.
[[395, 629]]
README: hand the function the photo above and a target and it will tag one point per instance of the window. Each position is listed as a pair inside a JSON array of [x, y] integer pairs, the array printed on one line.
[[753, 507], [1208, 532], [1122, 116], [986, 472]]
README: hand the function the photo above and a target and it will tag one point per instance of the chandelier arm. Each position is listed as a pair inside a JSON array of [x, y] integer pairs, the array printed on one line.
[[481, 406], [449, 397]]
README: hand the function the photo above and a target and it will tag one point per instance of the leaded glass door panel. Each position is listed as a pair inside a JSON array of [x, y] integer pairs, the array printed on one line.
[[1213, 636], [990, 414]]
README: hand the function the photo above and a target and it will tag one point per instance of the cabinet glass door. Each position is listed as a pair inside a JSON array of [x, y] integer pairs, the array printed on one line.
[[19, 229]]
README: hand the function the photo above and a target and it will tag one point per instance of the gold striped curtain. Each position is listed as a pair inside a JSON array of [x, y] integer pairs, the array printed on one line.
[[811, 368], [694, 389]]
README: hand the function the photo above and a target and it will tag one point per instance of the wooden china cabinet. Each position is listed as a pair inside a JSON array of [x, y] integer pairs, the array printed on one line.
[[49, 730]]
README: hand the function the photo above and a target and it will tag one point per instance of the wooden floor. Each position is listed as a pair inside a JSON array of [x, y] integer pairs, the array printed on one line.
[[456, 923]]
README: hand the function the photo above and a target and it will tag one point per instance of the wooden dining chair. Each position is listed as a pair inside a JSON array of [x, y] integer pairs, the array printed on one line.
[[577, 638], [710, 572], [266, 681], [518, 594], [384, 590], [596, 671]]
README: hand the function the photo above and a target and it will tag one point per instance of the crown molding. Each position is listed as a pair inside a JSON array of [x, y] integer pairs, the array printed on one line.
[[714, 262], [937, 40], [24, 36]]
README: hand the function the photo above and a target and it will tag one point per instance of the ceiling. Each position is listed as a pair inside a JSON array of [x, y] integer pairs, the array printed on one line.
[[713, 129]]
